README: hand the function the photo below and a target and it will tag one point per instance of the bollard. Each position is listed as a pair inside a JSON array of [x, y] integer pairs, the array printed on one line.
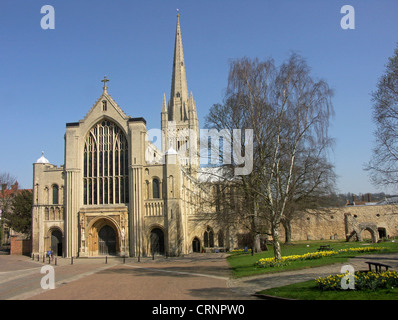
[[49, 260], [71, 260], [124, 259], [44, 257], [106, 259], [55, 262]]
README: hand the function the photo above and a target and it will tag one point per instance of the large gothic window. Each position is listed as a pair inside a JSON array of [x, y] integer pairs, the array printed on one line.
[[105, 165]]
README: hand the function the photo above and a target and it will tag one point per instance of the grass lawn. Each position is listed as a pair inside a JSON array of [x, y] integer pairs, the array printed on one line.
[[308, 291], [243, 265]]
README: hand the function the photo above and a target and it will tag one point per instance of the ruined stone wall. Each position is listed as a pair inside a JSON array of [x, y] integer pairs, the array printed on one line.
[[331, 224]]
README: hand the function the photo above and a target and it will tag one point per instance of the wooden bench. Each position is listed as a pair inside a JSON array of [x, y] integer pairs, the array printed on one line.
[[377, 266], [325, 248]]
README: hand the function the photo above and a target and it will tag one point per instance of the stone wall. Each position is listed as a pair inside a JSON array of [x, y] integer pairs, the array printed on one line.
[[332, 224]]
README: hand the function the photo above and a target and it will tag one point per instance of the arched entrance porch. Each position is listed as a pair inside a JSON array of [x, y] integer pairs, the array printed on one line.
[[104, 238]]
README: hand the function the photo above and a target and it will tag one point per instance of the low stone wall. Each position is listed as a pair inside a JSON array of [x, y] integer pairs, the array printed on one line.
[[332, 225]]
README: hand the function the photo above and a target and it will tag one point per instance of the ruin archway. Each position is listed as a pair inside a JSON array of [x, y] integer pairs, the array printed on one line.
[[356, 234], [372, 229]]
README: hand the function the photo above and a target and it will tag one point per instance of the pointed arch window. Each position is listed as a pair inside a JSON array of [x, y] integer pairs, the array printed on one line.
[[209, 238], [105, 173]]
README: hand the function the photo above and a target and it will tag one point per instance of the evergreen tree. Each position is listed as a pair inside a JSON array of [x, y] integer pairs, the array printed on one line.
[[19, 218]]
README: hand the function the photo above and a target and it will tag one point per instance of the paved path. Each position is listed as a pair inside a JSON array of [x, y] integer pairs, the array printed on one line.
[[20, 277], [193, 277]]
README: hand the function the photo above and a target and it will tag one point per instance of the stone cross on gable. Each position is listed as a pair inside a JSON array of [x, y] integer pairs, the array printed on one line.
[[105, 81]]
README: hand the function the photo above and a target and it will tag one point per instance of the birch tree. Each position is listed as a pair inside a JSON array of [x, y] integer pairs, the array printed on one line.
[[383, 166], [289, 113]]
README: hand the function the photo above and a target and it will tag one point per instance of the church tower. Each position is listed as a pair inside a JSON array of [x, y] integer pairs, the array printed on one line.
[[179, 118]]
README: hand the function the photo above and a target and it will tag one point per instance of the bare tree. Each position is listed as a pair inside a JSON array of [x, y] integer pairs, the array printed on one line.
[[289, 114], [383, 166], [7, 180]]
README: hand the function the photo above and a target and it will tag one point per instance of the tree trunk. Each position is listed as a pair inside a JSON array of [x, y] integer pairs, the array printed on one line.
[[277, 246], [256, 235], [288, 231], [257, 243]]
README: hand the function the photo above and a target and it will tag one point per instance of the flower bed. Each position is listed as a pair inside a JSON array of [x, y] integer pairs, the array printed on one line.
[[362, 281], [361, 250], [272, 262], [237, 251]]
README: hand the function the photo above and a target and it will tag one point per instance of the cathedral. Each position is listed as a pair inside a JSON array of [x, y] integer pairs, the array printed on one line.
[[120, 194]]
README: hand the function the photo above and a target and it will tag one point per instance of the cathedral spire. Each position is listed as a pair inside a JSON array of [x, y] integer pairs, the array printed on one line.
[[179, 123], [179, 87]]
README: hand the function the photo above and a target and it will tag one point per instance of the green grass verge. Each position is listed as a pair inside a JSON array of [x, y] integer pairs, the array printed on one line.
[[243, 265], [308, 291]]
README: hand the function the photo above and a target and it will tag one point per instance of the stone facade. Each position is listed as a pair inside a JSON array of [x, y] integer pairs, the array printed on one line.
[[119, 194]]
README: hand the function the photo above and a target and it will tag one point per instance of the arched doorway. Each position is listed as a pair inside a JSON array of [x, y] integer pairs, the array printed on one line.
[[107, 241], [103, 237], [373, 233], [157, 241], [195, 245], [56, 242]]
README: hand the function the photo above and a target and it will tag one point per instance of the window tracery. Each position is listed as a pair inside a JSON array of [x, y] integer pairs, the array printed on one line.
[[105, 165]]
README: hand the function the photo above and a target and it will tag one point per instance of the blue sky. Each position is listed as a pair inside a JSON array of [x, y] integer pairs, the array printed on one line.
[[52, 77]]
